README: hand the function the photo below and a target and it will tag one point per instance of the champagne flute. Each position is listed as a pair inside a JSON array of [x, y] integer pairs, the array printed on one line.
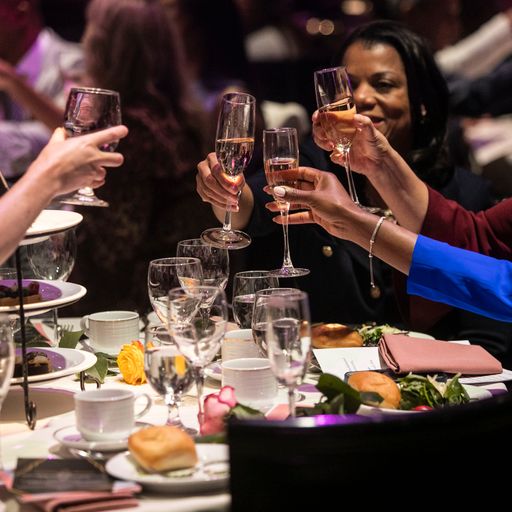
[[288, 339], [7, 356], [164, 274], [168, 373], [245, 286], [214, 261], [234, 146], [54, 259], [281, 155], [197, 338], [336, 110], [89, 110]]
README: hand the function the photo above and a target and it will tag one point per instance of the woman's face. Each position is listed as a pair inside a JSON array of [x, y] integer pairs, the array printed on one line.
[[379, 84]]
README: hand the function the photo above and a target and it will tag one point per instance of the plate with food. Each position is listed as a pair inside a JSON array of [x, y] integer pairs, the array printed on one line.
[[53, 221], [51, 363], [39, 295], [166, 459]]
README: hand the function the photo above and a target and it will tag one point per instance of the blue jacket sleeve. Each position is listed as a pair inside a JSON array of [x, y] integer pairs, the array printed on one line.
[[461, 278]]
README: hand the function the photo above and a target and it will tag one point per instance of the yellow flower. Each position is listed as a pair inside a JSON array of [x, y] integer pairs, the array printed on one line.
[[131, 363]]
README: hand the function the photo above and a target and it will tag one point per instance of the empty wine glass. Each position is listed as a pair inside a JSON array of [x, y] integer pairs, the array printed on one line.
[[289, 339], [168, 372], [89, 110], [336, 110], [214, 261], [245, 286], [7, 356], [233, 146], [197, 336], [281, 155], [164, 274], [9, 277], [53, 259]]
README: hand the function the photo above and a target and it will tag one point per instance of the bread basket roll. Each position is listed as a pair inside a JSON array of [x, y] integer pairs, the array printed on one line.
[[335, 336], [162, 448], [379, 383]]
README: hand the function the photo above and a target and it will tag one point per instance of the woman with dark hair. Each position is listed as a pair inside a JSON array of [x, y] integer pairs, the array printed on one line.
[[397, 85], [130, 47]]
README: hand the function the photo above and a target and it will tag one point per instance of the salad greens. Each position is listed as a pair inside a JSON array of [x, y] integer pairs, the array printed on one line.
[[372, 333]]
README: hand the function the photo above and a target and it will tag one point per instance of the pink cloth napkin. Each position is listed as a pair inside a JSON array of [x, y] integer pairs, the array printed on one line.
[[406, 354]]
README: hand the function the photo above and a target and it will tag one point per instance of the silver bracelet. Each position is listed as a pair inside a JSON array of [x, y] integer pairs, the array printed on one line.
[[370, 252]]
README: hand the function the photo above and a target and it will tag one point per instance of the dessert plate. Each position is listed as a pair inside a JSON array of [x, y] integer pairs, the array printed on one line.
[[214, 371], [210, 474], [65, 361]]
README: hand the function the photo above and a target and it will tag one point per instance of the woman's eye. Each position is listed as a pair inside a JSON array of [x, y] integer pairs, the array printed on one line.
[[384, 86]]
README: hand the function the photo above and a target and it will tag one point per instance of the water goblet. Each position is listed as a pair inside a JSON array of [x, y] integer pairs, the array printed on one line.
[[7, 357], [245, 286]]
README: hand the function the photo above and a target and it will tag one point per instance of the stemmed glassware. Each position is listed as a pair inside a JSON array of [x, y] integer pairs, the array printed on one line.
[[89, 110], [198, 336], [53, 259], [281, 155], [164, 274], [245, 286], [234, 146], [168, 372], [7, 357], [214, 261], [336, 110], [288, 339]]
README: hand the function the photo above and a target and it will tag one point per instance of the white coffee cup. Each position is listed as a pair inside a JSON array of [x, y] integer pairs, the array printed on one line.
[[107, 414], [253, 380], [239, 344], [108, 331]]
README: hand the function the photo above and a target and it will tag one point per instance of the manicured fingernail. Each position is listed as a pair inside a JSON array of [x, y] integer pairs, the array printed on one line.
[[279, 191]]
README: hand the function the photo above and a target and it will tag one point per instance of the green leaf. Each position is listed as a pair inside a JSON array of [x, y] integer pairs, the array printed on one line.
[[213, 438], [70, 339], [241, 411], [38, 343], [332, 387], [99, 370]]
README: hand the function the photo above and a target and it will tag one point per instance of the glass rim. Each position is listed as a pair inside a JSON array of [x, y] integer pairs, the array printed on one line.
[[196, 287], [333, 68], [252, 273], [193, 241], [174, 260], [94, 90], [282, 129], [230, 97], [285, 291]]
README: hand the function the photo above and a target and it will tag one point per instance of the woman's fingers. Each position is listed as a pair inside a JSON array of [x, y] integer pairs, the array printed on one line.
[[305, 217]]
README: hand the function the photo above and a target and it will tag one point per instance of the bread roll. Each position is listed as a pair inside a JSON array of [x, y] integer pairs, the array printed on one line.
[[379, 383], [334, 336], [162, 448]]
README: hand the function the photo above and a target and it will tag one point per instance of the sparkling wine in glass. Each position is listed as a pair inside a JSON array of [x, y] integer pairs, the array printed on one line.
[[7, 356], [164, 274], [53, 259], [288, 337], [89, 110], [281, 155], [245, 286], [234, 146], [168, 373], [198, 337], [336, 110]]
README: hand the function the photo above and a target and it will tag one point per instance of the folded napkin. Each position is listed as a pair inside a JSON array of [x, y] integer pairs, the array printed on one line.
[[406, 354]]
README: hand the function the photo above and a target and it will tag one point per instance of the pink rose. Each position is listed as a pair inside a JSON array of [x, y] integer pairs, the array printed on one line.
[[216, 407]]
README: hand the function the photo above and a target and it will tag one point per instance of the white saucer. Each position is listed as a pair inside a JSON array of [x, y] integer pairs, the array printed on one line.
[[71, 438]]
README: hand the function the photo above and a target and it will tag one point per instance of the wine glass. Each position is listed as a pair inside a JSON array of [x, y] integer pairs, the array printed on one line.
[[288, 339], [336, 110], [245, 286], [168, 373], [214, 261], [7, 356], [198, 337], [164, 274], [89, 110], [10, 275], [234, 146], [281, 154], [53, 259]]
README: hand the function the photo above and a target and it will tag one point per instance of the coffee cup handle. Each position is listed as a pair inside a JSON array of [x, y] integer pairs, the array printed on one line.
[[84, 324], [147, 406]]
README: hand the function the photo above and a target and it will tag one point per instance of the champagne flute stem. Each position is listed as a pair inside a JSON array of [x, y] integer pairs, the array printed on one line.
[[56, 326], [172, 409], [350, 178], [199, 378], [227, 219], [287, 261], [291, 402]]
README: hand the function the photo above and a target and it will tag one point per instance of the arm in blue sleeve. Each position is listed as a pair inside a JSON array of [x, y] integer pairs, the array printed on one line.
[[461, 278]]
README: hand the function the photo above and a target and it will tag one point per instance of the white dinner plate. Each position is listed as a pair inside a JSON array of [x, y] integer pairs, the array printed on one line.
[[65, 361], [474, 392], [53, 221], [71, 438], [214, 371], [69, 293], [210, 474], [414, 334]]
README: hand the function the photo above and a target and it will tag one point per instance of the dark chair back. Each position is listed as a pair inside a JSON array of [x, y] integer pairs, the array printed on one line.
[[309, 462]]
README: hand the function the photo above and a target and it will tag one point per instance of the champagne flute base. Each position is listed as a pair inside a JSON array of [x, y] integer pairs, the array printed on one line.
[[81, 200], [289, 272], [223, 239]]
